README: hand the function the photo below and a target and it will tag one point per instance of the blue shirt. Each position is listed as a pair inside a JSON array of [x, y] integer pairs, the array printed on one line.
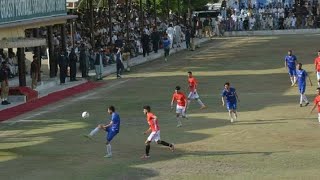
[[291, 61], [230, 95], [115, 118], [166, 43], [302, 75]]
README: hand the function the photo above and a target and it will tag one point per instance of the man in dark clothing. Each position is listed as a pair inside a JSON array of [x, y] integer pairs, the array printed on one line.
[[145, 44], [4, 78], [63, 64], [34, 70], [188, 37], [120, 66], [73, 65], [83, 61], [155, 38]]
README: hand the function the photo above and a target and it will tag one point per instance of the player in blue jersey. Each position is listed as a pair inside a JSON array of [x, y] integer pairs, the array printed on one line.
[[230, 96], [111, 128], [301, 79], [290, 62]]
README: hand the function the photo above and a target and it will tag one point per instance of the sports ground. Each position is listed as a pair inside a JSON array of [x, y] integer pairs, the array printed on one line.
[[273, 139]]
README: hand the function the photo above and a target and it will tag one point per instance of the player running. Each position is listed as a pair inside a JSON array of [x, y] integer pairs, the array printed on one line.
[[181, 99], [317, 103], [229, 94], [301, 79], [155, 132], [112, 129], [317, 67], [193, 90], [290, 64]]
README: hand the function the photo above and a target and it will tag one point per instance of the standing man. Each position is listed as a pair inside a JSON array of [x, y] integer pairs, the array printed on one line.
[[166, 46], [63, 63], [145, 43], [317, 103], [181, 100], [170, 33], [290, 63], [4, 77], [188, 38], [193, 94], [301, 78], [229, 94], [34, 70], [177, 35], [83, 61], [112, 129], [155, 38], [154, 131], [317, 67], [119, 62], [98, 65], [73, 65]]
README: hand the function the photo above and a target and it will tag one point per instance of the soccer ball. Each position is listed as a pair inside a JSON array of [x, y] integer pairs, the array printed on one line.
[[85, 115]]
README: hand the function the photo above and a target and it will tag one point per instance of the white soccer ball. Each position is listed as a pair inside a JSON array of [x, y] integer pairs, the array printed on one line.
[[85, 115]]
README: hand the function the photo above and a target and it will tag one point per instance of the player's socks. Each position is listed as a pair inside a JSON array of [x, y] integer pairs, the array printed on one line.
[[147, 150], [109, 152], [165, 143], [179, 122], [305, 99], [201, 103], [235, 115], [301, 99], [95, 131]]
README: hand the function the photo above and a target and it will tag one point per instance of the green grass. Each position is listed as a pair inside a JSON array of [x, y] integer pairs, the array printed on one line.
[[274, 139]]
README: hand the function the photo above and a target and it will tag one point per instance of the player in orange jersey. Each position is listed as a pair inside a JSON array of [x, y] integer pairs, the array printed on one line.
[[317, 67], [193, 90], [181, 104], [154, 131], [317, 103]]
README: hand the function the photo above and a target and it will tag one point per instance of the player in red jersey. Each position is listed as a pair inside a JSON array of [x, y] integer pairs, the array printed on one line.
[[155, 132], [317, 103], [181, 104], [193, 90], [317, 67]]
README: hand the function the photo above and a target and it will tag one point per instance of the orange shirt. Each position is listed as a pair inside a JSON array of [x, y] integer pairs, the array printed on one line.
[[317, 63], [192, 84], [317, 102], [180, 98], [153, 122]]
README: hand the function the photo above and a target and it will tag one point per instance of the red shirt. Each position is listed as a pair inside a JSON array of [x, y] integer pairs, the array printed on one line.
[[317, 63], [192, 84], [153, 122], [317, 102], [180, 98]]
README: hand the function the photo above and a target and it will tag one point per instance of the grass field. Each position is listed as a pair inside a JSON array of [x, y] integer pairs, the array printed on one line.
[[274, 139]]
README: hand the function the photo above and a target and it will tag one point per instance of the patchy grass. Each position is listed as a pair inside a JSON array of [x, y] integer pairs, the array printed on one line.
[[274, 139]]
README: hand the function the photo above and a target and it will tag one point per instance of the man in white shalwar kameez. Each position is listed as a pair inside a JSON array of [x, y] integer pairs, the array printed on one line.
[[170, 32], [177, 34]]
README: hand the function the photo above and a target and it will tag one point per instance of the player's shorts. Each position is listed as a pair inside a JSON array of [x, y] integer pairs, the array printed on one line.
[[154, 136], [292, 71], [181, 110], [193, 95], [231, 105], [302, 88], [110, 134], [318, 76]]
